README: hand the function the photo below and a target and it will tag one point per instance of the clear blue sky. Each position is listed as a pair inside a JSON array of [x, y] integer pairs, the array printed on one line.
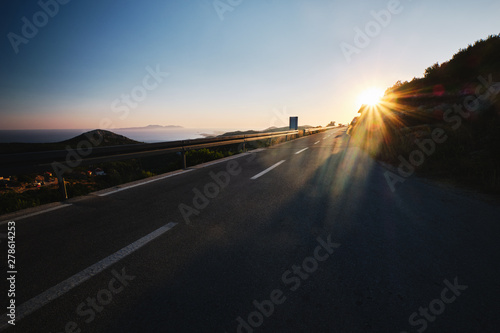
[[265, 60]]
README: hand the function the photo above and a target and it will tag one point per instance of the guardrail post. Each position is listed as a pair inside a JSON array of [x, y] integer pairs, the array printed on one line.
[[62, 187], [184, 164]]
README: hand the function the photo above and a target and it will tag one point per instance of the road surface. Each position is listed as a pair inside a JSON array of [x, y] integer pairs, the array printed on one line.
[[305, 236]]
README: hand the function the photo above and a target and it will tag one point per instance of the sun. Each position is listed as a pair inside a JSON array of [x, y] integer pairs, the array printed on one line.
[[371, 96]]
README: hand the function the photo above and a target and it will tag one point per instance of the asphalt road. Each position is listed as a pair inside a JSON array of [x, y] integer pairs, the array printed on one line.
[[318, 243]]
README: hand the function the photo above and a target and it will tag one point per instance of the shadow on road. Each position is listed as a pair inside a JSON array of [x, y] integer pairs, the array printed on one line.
[[396, 249]]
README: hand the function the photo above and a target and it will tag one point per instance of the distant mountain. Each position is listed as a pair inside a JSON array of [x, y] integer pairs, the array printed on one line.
[[267, 130], [285, 128], [151, 127], [108, 138]]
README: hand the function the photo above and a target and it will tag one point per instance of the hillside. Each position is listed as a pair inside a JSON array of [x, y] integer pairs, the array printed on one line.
[[267, 130], [454, 78], [108, 139], [458, 99]]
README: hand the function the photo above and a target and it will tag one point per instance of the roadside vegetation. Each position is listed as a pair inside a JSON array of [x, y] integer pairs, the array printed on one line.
[[459, 98], [84, 180]]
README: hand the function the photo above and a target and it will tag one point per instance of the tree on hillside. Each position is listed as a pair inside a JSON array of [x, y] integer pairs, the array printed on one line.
[[332, 123], [479, 58], [431, 71]]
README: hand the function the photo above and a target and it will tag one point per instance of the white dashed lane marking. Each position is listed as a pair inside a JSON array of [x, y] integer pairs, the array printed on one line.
[[300, 151], [58, 290], [267, 170]]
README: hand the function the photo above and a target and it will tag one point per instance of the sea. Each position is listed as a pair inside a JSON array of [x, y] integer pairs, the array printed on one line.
[[141, 135]]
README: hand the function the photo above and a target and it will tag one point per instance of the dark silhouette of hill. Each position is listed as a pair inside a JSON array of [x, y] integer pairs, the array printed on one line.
[[424, 100], [267, 130], [108, 139], [459, 99], [456, 77]]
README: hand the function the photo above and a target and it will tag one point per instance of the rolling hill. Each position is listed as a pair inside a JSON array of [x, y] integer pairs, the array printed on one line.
[[108, 139]]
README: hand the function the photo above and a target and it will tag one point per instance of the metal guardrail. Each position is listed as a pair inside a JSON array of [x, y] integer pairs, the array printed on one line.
[[24, 163]]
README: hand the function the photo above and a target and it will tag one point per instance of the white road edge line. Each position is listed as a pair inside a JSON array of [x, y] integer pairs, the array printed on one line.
[[60, 289], [119, 189], [317, 142], [180, 173], [143, 183], [300, 151], [37, 213], [267, 170]]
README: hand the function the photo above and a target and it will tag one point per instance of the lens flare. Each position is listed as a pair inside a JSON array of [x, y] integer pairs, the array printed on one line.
[[371, 96]]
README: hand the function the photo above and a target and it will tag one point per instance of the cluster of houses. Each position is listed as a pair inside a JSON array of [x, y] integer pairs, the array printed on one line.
[[45, 179], [4, 181], [19, 185]]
